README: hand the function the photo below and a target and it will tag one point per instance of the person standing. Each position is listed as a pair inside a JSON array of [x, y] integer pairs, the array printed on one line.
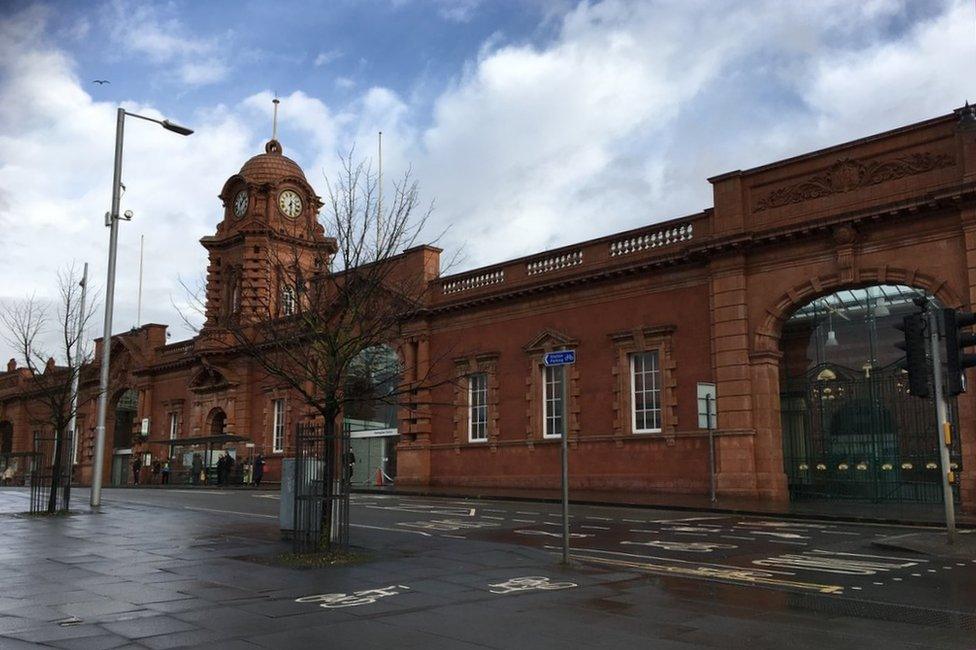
[[221, 465], [165, 472], [136, 466], [258, 470], [197, 468], [156, 468], [228, 468]]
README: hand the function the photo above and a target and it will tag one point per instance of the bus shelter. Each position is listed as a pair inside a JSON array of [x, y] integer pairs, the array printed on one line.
[[193, 461]]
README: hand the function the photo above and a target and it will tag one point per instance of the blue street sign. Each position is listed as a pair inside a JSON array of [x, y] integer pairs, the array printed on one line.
[[563, 358]]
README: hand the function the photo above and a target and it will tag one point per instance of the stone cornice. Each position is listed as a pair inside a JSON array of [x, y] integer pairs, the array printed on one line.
[[708, 247]]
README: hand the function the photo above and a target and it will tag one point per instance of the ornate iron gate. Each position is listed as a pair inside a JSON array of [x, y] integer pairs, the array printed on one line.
[[862, 438], [321, 488]]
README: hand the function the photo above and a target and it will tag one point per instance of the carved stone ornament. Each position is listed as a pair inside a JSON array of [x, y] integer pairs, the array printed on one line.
[[848, 174]]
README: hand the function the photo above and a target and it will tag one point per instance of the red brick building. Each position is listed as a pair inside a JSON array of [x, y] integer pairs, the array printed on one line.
[[780, 298]]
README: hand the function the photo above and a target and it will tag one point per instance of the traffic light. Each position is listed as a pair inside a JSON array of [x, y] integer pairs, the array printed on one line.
[[916, 361], [957, 341]]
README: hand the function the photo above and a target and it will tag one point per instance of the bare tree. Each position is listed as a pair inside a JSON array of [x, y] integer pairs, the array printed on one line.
[[335, 302], [43, 333]]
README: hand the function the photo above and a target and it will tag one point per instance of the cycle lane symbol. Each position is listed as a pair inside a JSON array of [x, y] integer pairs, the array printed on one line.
[[355, 599]]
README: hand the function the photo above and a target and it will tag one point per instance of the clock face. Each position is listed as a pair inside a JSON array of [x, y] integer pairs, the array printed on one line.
[[240, 203], [290, 204]]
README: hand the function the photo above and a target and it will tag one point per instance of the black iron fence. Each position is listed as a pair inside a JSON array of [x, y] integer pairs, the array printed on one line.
[[49, 472], [322, 479]]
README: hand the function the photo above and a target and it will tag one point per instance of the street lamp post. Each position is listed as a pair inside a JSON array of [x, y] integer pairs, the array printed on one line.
[[112, 221]]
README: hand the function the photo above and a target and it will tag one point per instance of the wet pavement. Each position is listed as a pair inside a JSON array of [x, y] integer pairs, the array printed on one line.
[[171, 568]]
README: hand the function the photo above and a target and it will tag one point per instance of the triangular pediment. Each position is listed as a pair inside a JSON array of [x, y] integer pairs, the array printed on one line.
[[549, 339], [209, 378]]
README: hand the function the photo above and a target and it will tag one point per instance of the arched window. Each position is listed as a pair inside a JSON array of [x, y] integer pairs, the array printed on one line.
[[287, 301]]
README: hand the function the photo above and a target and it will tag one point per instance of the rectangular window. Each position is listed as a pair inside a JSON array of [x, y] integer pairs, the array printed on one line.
[[279, 425], [553, 407], [174, 425], [645, 381], [478, 407]]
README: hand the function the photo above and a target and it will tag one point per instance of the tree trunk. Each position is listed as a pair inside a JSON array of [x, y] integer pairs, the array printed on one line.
[[52, 500]]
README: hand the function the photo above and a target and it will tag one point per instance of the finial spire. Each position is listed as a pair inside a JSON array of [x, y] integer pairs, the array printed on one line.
[[274, 123]]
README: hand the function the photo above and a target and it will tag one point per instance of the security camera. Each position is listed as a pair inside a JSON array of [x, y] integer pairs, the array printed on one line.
[[127, 215]]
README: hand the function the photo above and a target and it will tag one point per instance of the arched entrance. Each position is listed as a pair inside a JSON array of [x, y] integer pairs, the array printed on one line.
[[850, 428], [126, 406]]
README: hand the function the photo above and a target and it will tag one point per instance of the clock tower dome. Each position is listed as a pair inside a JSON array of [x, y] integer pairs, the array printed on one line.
[[267, 243]]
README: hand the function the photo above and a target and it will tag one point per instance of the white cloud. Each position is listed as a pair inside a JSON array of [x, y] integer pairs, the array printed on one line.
[[325, 58], [614, 123], [142, 28]]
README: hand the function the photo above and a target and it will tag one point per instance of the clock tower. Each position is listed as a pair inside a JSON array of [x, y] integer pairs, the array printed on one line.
[[267, 244]]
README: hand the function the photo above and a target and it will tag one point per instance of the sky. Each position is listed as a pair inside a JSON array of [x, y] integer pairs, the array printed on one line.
[[530, 124]]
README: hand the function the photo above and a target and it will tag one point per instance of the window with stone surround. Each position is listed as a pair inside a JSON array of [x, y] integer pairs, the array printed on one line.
[[476, 399], [288, 301], [550, 409], [278, 425], [645, 386], [174, 424], [478, 407], [553, 401]]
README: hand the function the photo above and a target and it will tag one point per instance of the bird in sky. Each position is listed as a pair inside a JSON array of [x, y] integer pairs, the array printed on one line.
[[101, 82]]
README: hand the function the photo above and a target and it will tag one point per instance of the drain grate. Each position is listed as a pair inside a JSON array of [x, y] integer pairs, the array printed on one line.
[[923, 616]]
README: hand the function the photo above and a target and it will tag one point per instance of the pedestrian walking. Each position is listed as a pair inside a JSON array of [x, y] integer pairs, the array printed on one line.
[[221, 466], [350, 465], [247, 473], [258, 470], [136, 466], [165, 472], [228, 468], [156, 469]]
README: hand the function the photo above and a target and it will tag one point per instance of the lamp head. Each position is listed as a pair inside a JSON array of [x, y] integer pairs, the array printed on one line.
[[176, 128]]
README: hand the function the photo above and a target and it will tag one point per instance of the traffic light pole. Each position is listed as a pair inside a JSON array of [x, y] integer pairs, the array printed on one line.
[[942, 413]]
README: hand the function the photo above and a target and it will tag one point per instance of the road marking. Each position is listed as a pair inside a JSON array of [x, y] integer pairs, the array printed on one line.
[[633, 521], [355, 599], [600, 518], [689, 547], [524, 512], [751, 539], [840, 563], [546, 533], [779, 535], [524, 521], [443, 511], [672, 559], [839, 532], [528, 583], [738, 575], [231, 512], [392, 530], [671, 521], [595, 527], [783, 541], [453, 536], [442, 525], [491, 517]]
